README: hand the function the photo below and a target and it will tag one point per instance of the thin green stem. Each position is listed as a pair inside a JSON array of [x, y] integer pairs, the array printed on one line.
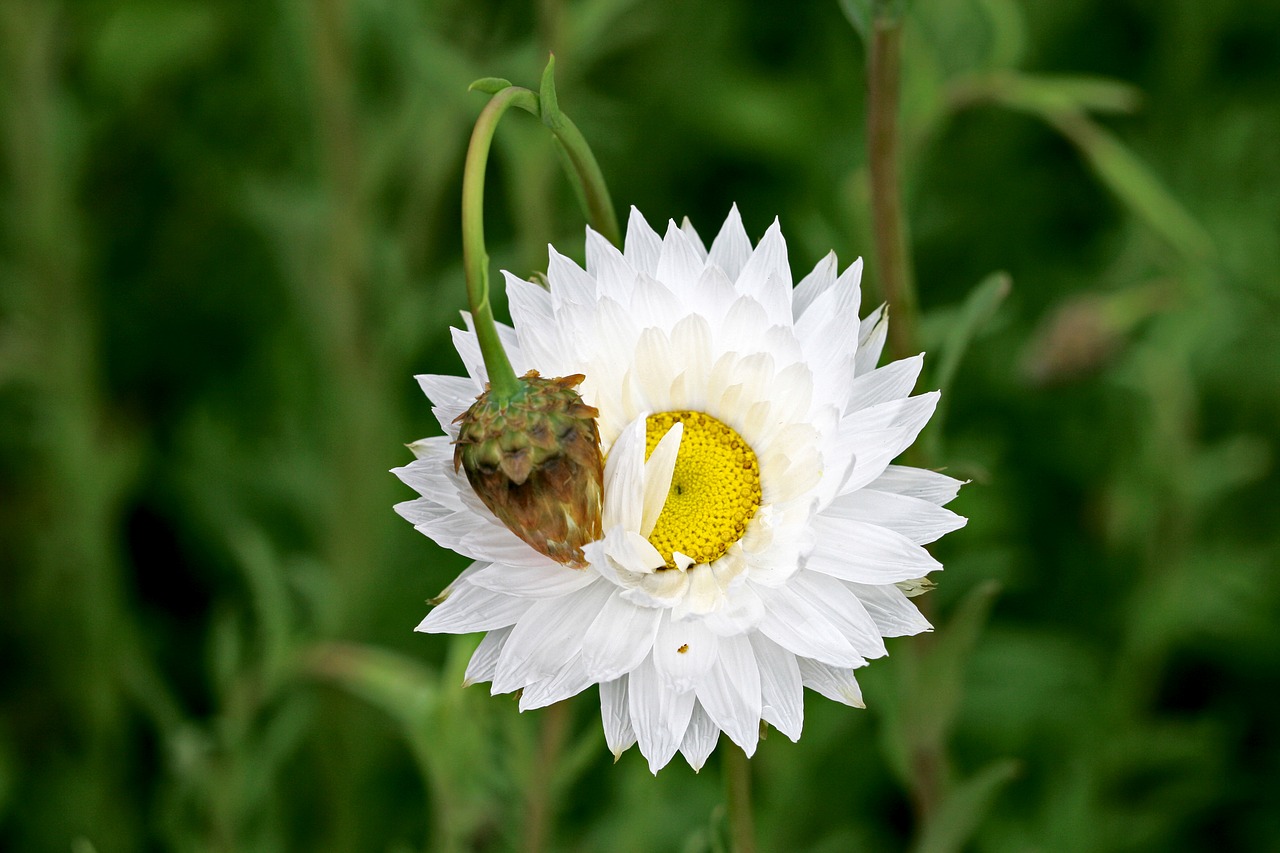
[[540, 798], [737, 783], [502, 378], [888, 220], [588, 181]]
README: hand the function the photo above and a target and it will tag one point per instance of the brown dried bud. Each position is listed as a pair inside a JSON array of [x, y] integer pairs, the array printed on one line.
[[534, 459]]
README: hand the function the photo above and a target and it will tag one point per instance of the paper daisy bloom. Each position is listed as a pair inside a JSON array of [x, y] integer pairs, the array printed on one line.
[[755, 539]]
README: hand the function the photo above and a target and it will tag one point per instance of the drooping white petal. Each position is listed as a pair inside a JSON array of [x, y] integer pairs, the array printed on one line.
[[570, 680], [683, 652], [699, 739], [893, 612], [619, 638], [781, 690], [836, 683], [449, 391], [842, 609], [730, 692], [546, 580], [615, 713], [659, 715], [484, 660], [547, 636], [470, 608], [793, 623]]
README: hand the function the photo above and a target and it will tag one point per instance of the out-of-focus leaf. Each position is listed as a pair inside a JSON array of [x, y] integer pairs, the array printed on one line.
[[1136, 186], [977, 310], [964, 808], [1008, 31], [859, 14], [1046, 95]]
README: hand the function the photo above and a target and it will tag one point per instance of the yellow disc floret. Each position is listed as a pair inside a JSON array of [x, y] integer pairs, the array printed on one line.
[[715, 488]]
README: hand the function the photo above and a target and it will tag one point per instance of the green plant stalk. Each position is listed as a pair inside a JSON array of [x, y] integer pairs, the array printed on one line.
[[737, 783], [888, 222], [502, 377], [589, 185]]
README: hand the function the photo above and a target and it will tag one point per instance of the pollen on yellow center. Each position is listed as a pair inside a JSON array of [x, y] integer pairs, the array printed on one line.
[[715, 488]]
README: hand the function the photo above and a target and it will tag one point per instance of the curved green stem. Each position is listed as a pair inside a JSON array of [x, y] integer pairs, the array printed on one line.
[[588, 183], [502, 378]]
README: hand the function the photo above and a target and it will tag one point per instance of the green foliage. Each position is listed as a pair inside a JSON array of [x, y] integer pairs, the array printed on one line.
[[229, 237]]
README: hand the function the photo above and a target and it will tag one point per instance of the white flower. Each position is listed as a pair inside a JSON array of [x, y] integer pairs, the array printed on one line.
[[754, 530]]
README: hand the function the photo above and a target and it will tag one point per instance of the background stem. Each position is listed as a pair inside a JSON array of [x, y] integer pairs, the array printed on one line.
[[893, 262], [737, 783]]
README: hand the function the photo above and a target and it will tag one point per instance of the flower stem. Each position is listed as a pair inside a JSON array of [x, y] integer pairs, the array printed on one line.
[[888, 221], [737, 783], [589, 185], [540, 798], [502, 378]]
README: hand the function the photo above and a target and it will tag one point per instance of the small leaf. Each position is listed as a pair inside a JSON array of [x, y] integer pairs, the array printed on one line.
[[859, 14], [964, 808], [489, 85]]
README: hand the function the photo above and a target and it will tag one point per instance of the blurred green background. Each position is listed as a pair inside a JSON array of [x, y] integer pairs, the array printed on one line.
[[230, 238]]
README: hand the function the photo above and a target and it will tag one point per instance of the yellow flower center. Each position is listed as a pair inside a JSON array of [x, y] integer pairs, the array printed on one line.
[[715, 488]]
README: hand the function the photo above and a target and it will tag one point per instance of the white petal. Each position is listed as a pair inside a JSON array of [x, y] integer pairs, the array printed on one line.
[[894, 381], [835, 683], [793, 623], [919, 520], [615, 713], [813, 285], [730, 693], [547, 636], [614, 276], [864, 553], [541, 581], [731, 249], [653, 302], [842, 608], [699, 739], [871, 338], [781, 691], [619, 638], [570, 680], [469, 609], [449, 391], [917, 483], [658, 715], [874, 436], [695, 239], [679, 265], [624, 479], [893, 612], [569, 282], [766, 277], [642, 244], [657, 476], [683, 652], [484, 660]]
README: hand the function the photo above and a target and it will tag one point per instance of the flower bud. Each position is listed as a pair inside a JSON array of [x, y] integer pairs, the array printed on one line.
[[534, 460]]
